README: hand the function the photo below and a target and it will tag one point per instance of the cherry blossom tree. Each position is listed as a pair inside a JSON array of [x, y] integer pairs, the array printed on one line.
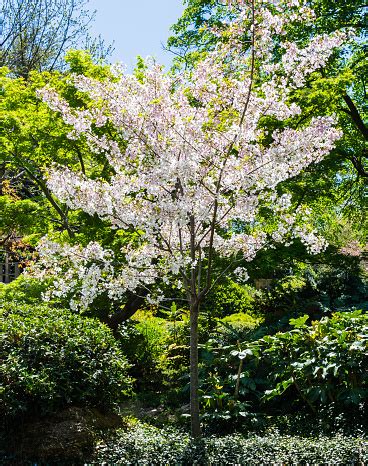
[[195, 166]]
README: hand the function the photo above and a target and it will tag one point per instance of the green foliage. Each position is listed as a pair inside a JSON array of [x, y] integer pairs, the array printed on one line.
[[24, 290], [323, 363], [228, 388], [33, 138], [342, 287], [337, 284], [190, 33], [175, 361], [51, 358], [309, 368], [154, 331], [285, 293], [237, 327], [159, 350], [231, 298], [145, 444], [289, 285], [241, 321], [82, 62], [144, 340], [20, 215]]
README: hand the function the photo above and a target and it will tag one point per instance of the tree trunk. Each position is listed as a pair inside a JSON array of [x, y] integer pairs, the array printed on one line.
[[194, 398], [133, 304]]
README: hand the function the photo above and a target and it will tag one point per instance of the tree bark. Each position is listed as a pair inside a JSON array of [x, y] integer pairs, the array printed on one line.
[[355, 115], [133, 304], [194, 382]]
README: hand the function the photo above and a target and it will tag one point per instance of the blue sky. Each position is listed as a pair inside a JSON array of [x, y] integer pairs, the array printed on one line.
[[138, 27]]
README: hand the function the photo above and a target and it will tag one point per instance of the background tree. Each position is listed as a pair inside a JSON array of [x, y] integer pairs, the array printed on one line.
[[32, 137], [35, 34]]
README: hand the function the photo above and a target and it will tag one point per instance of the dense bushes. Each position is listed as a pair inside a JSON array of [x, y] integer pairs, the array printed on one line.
[[144, 339], [51, 358], [230, 298], [341, 285], [325, 362], [245, 371], [308, 368], [149, 445], [159, 349], [24, 289]]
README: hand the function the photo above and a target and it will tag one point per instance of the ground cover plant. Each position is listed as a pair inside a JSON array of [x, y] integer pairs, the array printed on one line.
[[149, 445]]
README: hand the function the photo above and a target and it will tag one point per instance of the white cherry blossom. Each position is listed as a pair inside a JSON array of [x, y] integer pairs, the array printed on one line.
[[194, 162]]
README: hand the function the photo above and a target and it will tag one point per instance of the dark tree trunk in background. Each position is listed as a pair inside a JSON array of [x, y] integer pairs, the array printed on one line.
[[133, 304]]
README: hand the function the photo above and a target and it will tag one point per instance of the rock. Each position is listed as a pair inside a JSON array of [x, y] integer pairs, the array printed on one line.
[[66, 437]]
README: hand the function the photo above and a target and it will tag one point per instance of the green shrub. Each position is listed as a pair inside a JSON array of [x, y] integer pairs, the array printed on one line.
[[318, 368], [230, 298], [320, 364], [23, 289], [144, 444], [155, 332], [240, 323], [51, 358], [341, 285], [144, 340]]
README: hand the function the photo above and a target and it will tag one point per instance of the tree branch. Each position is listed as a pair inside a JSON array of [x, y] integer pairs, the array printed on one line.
[[357, 119]]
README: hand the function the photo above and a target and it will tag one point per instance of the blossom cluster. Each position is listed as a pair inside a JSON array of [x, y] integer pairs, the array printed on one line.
[[83, 273], [194, 159]]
